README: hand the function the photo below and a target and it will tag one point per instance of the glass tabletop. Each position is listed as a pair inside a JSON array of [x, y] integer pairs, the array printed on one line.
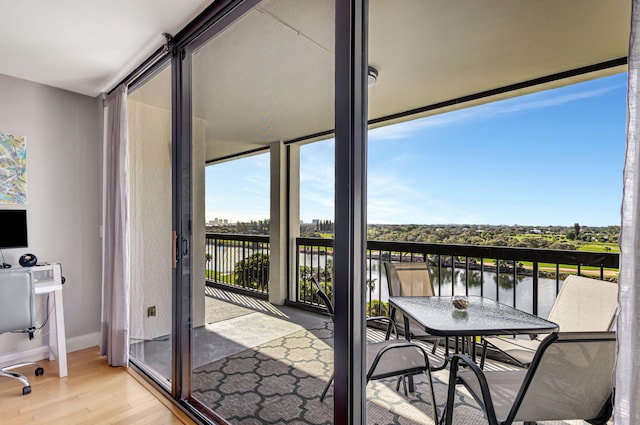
[[484, 316]]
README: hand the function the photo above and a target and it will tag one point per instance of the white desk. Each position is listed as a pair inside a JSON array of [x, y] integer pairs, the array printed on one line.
[[48, 280]]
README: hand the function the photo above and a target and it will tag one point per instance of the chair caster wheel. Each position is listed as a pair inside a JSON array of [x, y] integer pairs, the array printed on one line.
[[39, 371], [26, 390]]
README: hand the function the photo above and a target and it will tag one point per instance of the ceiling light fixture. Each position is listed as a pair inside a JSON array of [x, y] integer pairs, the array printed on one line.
[[372, 76]]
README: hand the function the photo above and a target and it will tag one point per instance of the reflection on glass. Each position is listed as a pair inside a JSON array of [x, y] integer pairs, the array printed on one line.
[[262, 81], [149, 110]]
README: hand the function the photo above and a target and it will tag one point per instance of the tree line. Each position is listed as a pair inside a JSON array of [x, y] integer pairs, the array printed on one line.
[[550, 237]]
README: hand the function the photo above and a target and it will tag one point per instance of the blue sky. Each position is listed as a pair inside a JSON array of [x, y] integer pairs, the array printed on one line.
[[550, 158]]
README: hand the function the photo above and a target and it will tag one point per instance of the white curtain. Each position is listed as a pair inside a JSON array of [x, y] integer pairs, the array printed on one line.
[[116, 262], [627, 398]]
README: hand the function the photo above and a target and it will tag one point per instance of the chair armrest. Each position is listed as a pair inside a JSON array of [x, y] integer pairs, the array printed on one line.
[[399, 371], [484, 388], [390, 323]]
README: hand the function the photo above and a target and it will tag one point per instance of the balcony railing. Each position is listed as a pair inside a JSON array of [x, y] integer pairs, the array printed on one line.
[[528, 279], [238, 261]]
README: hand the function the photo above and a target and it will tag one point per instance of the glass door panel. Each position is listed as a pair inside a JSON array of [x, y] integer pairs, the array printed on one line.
[[260, 87], [149, 110]]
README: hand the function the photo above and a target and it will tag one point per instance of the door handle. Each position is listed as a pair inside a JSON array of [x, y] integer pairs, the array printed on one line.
[[174, 249]]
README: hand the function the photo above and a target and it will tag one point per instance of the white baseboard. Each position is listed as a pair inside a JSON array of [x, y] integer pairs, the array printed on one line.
[[30, 355], [81, 342], [42, 352]]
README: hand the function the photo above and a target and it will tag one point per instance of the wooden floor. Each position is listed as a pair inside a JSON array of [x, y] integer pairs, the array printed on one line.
[[93, 393]]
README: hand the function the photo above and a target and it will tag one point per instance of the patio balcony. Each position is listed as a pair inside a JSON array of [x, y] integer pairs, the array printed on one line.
[[258, 362]]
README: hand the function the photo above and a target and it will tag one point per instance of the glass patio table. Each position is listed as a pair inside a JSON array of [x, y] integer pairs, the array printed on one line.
[[483, 316]]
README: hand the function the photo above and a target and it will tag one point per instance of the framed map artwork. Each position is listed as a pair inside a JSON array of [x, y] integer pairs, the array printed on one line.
[[13, 169]]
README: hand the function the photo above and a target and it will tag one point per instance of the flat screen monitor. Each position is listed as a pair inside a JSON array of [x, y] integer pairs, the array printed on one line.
[[13, 229]]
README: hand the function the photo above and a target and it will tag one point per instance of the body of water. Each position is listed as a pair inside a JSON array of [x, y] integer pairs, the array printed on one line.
[[451, 283], [485, 284]]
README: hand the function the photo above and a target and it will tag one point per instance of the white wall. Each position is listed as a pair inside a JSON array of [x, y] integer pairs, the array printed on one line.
[[151, 226], [64, 172]]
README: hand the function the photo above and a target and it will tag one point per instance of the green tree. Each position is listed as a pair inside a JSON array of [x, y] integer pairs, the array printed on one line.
[[576, 229], [253, 272]]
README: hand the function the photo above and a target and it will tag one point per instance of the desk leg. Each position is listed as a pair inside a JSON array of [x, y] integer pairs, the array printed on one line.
[[57, 334], [53, 327]]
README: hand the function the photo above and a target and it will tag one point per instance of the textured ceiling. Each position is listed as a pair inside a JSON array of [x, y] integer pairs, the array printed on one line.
[[270, 75], [85, 46]]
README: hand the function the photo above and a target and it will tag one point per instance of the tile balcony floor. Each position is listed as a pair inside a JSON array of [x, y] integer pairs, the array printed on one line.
[[256, 363]]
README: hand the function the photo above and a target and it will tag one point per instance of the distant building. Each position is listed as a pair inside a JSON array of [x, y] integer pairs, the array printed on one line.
[[217, 222], [322, 225]]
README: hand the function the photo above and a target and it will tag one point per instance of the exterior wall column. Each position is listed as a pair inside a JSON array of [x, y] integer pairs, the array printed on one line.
[[282, 219], [294, 215], [198, 224]]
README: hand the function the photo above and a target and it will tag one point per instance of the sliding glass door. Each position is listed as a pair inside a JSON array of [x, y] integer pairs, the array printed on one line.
[[224, 311], [258, 84]]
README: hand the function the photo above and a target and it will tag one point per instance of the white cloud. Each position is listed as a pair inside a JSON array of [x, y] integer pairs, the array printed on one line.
[[509, 106], [392, 199], [538, 100]]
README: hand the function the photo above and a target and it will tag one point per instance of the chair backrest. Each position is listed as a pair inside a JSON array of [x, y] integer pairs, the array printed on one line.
[[570, 377], [323, 296], [584, 305], [408, 279], [17, 301]]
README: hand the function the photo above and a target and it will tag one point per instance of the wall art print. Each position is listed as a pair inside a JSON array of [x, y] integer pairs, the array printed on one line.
[[13, 169]]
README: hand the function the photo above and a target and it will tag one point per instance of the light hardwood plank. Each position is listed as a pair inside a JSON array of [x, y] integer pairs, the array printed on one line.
[[93, 393]]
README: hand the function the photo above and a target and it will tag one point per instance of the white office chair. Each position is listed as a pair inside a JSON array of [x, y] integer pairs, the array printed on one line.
[[17, 314]]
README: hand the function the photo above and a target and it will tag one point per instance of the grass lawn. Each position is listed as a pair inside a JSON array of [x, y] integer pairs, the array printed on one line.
[[565, 268], [599, 247], [221, 277]]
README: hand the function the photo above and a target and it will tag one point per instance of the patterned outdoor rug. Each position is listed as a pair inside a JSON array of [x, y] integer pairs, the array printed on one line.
[[280, 382]]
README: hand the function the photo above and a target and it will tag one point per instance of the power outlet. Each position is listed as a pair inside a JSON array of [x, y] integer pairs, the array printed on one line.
[[151, 311]]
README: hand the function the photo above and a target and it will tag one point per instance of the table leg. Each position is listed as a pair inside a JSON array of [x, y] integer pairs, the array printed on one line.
[[392, 318], [407, 335], [59, 337], [472, 341]]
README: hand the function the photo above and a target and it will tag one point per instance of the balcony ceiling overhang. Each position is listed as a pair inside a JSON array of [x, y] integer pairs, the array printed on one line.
[[270, 76]]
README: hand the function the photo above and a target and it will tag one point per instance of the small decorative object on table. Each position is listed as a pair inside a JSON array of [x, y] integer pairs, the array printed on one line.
[[460, 302]]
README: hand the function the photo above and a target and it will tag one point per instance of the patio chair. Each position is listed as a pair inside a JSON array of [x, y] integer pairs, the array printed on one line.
[[388, 358], [410, 280], [583, 305], [571, 377]]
